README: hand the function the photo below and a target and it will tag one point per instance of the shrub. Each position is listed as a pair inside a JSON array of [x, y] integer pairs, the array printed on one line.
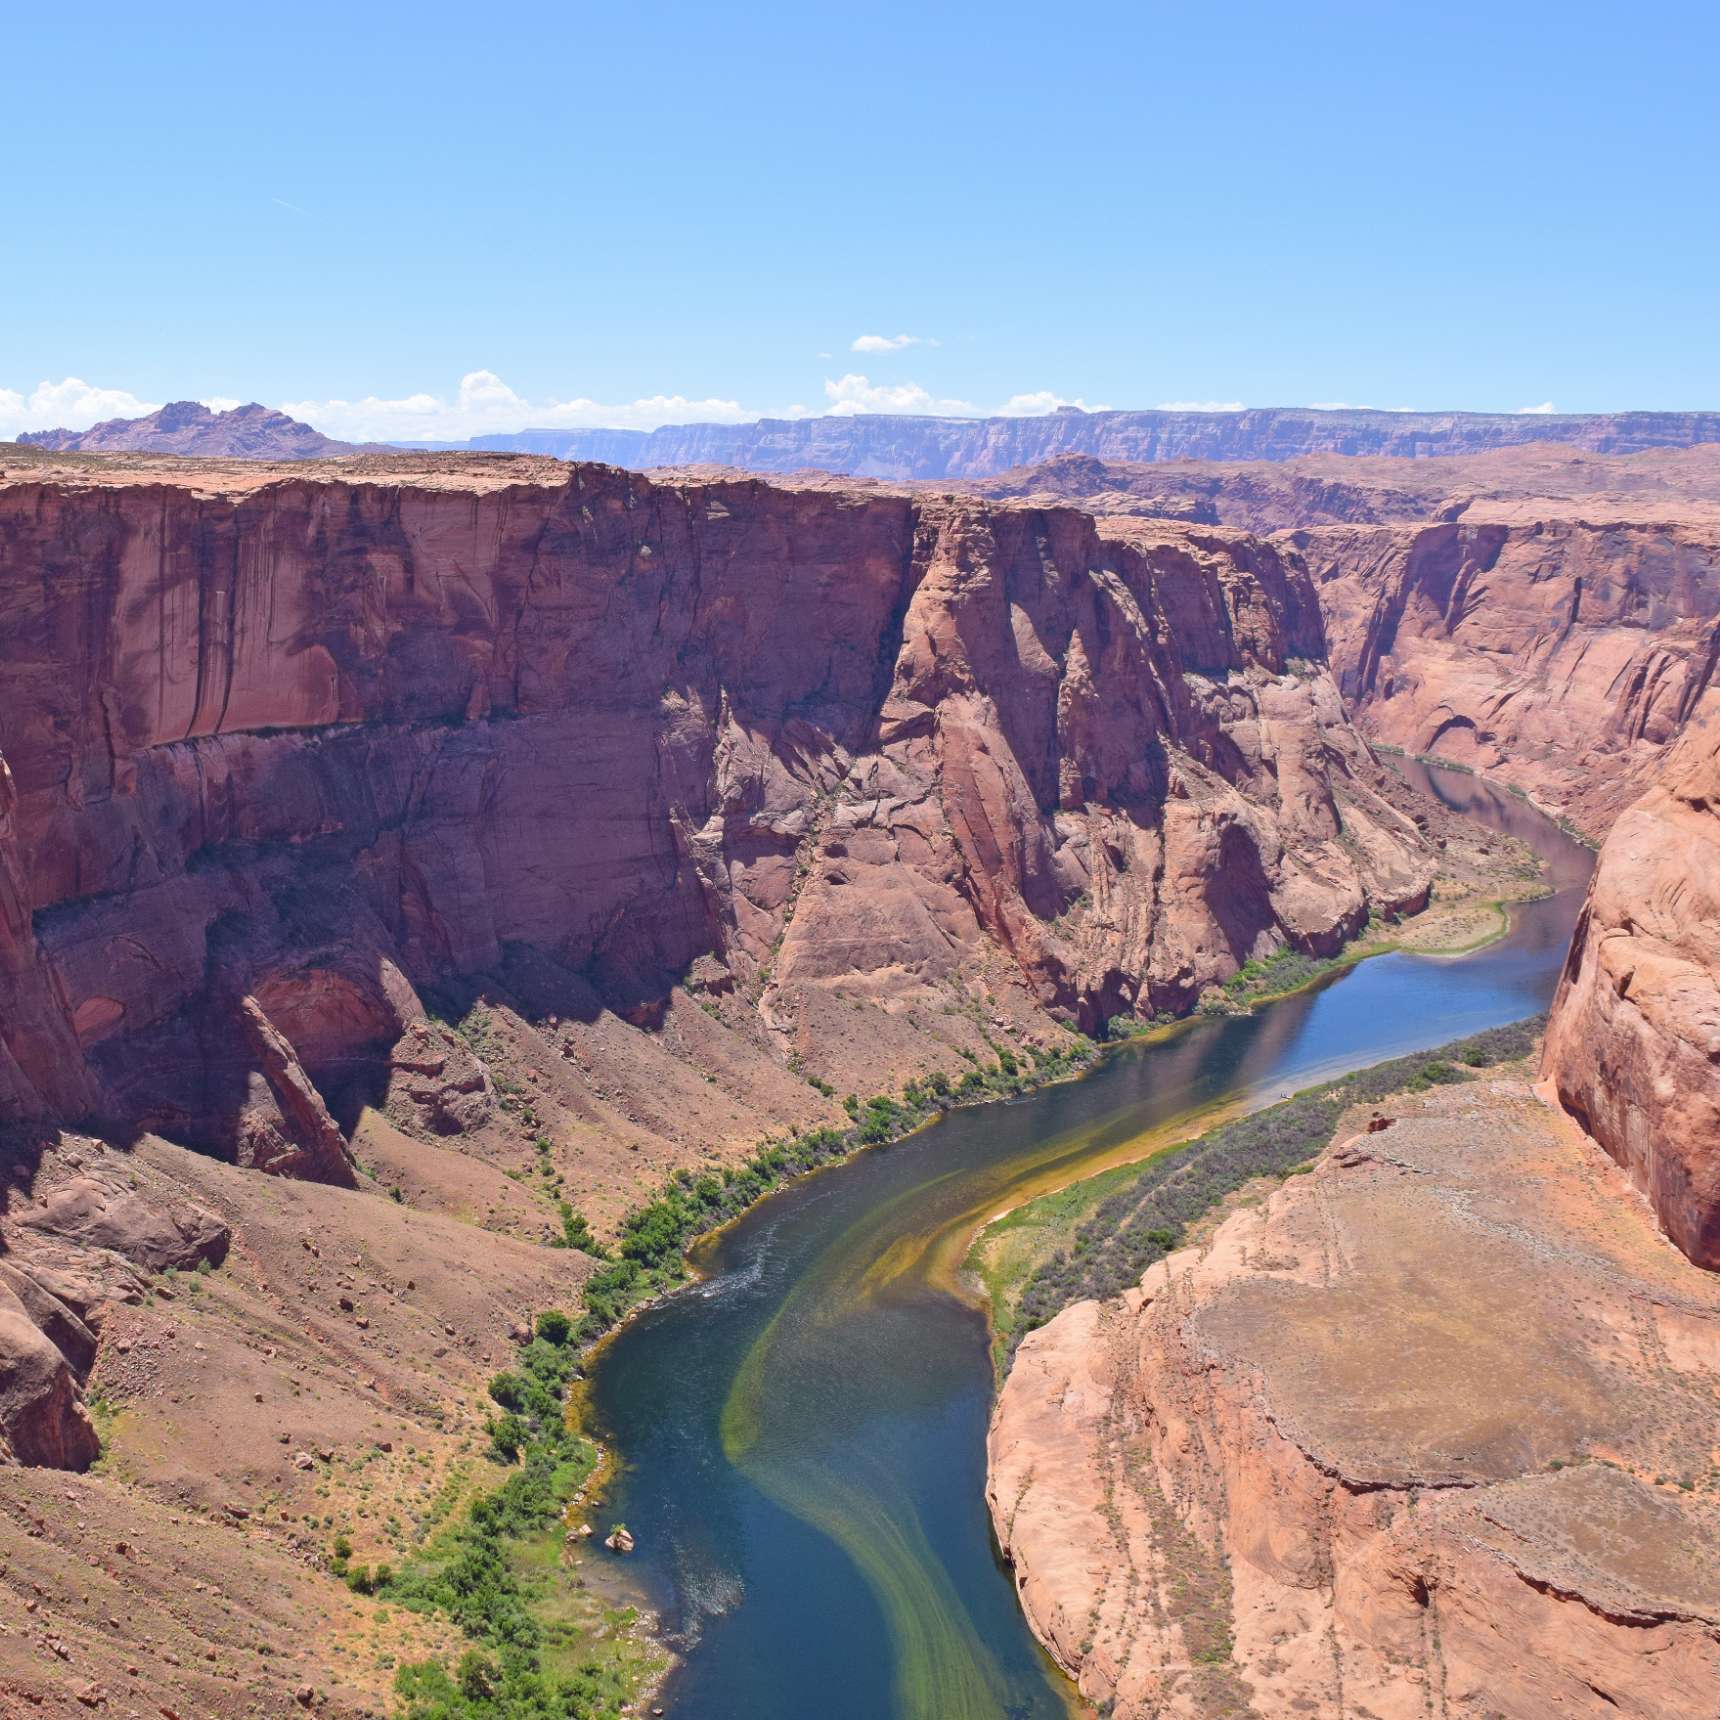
[[508, 1435], [509, 1390], [554, 1327]]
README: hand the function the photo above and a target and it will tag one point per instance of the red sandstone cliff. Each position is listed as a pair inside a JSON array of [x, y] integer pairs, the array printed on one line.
[[1548, 615], [290, 751], [1633, 1043], [1558, 654]]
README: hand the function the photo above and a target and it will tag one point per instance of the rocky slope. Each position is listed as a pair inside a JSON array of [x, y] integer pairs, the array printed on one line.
[[895, 446], [1428, 1431], [1633, 1045], [187, 427], [269, 1362]]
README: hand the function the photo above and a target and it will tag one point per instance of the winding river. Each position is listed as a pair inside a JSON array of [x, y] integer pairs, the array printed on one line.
[[802, 1432]]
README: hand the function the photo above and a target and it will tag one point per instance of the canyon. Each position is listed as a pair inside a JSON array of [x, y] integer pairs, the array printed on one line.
[[1431, 1425], [416, 830], [406, 848]]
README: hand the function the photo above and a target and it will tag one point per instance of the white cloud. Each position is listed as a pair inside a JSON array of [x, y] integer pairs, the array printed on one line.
[[485, 404], [1352, 406], [851, 393], [1200, 406], [1541, 411], [1040, 402], [68, 405], [889, 342], [220, 402]]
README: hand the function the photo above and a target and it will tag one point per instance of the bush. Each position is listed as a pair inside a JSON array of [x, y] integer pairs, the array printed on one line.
[[554, 1327], [508, 1437], [509, 1390]]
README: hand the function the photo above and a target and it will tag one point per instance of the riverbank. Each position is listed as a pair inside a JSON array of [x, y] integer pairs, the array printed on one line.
[[1093, 1239], [1470, 909], [659, 1244], [1376, 1438]]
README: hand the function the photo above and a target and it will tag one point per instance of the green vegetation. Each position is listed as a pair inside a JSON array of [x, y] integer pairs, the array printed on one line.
[[1289, 970], [649, 1256], [1128, 1227], [490, 1572], [576, 1232], [478, 1575]]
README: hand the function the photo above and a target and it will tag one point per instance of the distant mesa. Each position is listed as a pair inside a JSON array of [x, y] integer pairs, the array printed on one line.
[[885, 446], [897, 446], [250, 432]]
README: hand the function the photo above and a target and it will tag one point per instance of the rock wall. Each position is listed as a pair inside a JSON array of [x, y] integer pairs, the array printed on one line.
[[1427, 1431], [287, 755], [1543, 613], [1561, 655], [1633, 1043]]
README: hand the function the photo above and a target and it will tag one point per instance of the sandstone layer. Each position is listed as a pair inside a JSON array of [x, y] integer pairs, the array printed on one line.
[[1544, 614], [1633, 1043], [1429, 1430], [301, 761]]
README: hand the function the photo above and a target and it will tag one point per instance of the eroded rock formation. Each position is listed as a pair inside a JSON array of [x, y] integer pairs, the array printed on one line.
[[290, 753], [1561, 655], [1633, 1043], [80, 1233], [1426, 1431]]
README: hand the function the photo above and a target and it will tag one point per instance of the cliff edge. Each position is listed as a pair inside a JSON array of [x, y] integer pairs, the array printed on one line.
[[1633, 1042]]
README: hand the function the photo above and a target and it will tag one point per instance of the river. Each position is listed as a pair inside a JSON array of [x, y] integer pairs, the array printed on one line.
[[802, 1432]]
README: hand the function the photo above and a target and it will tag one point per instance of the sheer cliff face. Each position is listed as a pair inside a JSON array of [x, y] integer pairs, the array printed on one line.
[[286, 754], [1563, 656], [1633, 1045]]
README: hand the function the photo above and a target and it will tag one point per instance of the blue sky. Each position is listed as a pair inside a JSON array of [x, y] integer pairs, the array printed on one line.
[[638, 213]]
